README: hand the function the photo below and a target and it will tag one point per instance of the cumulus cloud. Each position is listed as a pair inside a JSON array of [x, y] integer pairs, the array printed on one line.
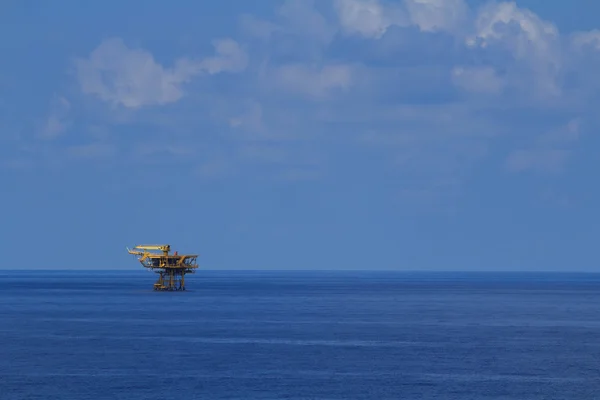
[[511, 38], [526, 36], [132, 78], [437, 15], [373, 18], [368, 18], [429, 81]]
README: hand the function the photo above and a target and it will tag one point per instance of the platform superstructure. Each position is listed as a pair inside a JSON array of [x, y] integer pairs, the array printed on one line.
[[171, 268]]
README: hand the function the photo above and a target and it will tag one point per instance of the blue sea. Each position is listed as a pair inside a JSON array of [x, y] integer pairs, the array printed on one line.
[[299, 335]]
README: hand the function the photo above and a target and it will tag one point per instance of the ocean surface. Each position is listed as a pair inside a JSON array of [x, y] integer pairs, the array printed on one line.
[[299, 335]]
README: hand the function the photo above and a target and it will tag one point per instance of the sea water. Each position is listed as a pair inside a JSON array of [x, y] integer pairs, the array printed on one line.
[[299, 335]]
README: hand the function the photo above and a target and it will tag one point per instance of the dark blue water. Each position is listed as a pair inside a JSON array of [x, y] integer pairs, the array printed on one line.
[[300, 335]]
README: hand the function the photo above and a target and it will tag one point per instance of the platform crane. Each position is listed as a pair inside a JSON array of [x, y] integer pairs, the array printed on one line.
[[170, 267]]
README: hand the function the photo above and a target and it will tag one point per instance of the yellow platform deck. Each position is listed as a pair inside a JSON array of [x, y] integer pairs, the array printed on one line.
[[170, 267]]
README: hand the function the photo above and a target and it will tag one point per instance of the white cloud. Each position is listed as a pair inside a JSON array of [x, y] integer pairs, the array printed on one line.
[[437, 15], [298, 26], [583, 41], [131, 77], [57, 121], [368, 18], [522, 30], [403, 91], [534, 44], [372, 18], [301, 17], [313, 81], [256, 27], [230, 58], [526, 36], [478, 79]]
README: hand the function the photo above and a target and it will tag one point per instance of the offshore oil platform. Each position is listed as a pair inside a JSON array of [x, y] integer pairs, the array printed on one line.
[[171, 268]]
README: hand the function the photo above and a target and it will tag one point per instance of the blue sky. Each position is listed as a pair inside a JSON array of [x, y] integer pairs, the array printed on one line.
[[334, 134]]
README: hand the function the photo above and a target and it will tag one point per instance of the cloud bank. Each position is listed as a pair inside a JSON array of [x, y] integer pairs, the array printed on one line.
[[425, 89]]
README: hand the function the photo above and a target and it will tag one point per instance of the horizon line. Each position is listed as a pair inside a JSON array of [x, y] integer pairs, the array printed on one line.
[[496, 271]]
